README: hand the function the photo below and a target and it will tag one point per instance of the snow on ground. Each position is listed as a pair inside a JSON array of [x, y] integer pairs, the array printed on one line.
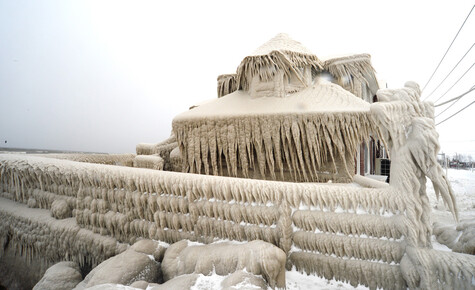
[[463, 184], [294, 281], [297, 281], [208, 282]]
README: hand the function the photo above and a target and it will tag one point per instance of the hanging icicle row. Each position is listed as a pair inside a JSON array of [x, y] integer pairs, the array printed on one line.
[[355, 73], [297, 147]]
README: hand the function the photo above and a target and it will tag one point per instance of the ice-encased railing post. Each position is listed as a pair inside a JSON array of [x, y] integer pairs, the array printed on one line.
[[406, 125]]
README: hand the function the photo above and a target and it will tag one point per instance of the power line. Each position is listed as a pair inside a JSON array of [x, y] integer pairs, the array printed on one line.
[[456, 113], [456, 98], [448, 48], [459, 141], [455, 82], [451, 71]]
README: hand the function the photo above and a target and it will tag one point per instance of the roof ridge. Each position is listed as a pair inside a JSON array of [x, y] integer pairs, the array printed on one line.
[[281, 42]]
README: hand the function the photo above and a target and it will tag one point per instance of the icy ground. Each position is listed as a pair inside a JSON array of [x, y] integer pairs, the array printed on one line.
[[463, 184]]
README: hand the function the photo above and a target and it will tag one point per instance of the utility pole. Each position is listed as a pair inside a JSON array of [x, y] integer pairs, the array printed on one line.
[[446, 167], [445, 162]]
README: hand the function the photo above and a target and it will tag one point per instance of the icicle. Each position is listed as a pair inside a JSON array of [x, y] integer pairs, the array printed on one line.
[[268, 146], [350, 224], [356, 272]]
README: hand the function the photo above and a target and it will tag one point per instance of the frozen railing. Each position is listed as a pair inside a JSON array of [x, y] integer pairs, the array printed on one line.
[[343, 231], [43, 240], [102, 158]]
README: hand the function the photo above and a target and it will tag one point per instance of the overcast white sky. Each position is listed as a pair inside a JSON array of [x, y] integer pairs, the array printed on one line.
[[103, 76]]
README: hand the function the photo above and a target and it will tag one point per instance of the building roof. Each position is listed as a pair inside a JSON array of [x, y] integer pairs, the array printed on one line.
[[281, 53], [321, 98], [354, 73], [283, 43]]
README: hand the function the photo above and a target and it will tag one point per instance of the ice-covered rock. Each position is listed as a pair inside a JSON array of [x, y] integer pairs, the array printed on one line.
[[257, 257], [243, 280], [60, 276], [460, 237], [111, 286], [181, 282], [138, 263], [150, 247], [466, 241], [445, 234], [140, 284]]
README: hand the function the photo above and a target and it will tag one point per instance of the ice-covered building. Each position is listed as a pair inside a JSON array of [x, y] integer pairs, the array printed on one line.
[[277, 119]]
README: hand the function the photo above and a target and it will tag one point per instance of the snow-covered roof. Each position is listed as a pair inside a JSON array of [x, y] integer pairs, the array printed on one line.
[[283, 43], [349, 58], [321, 98], [281, 53], [354, 73]]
